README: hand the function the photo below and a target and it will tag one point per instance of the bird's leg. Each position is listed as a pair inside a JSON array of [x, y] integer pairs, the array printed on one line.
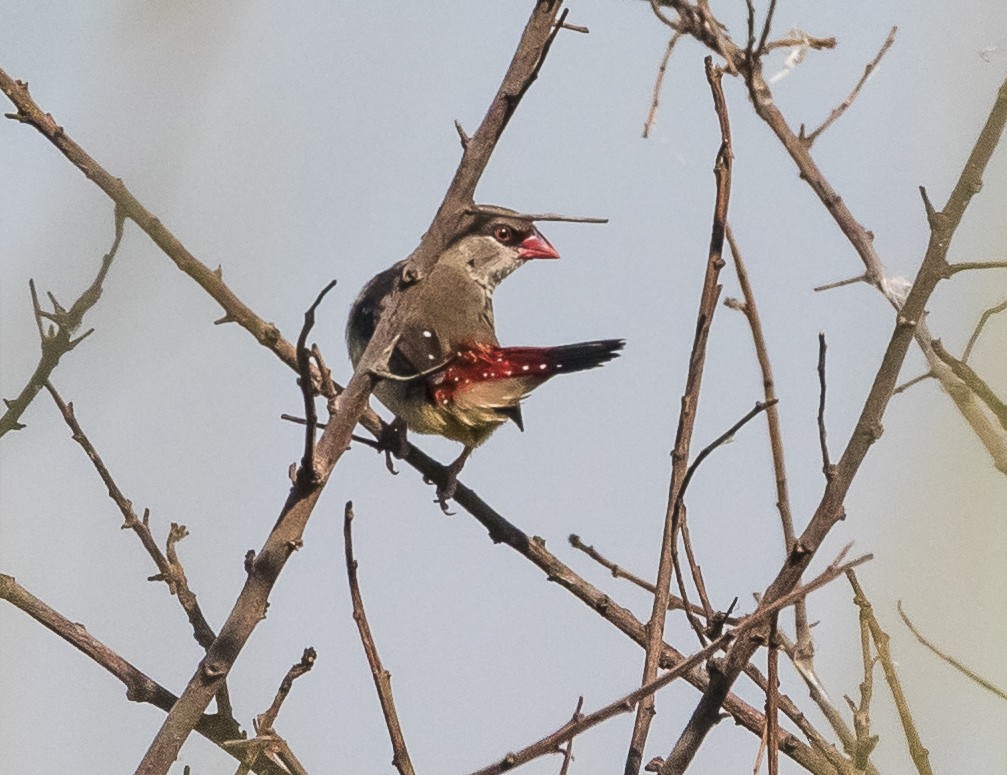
[[451, 471], [394, 441]]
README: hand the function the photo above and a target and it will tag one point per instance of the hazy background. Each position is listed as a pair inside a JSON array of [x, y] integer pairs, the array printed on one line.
[[293, 144]]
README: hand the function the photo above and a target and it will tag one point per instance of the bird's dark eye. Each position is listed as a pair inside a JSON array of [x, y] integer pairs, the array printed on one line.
[[504, 234]]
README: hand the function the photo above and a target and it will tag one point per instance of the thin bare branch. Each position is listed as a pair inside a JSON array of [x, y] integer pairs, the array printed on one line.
[[967, 266], [956, 664], [382, 678], [910, 382], [827, 468], [805, 649], [983, 319], [659, 84], [845, 104], [169, 568]]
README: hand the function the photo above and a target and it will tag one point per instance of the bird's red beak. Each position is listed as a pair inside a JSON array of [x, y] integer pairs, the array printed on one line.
[[536, 246]]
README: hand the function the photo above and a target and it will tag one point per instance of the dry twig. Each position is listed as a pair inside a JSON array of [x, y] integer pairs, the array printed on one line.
[[956, 664], [58, 339], [382, 678]]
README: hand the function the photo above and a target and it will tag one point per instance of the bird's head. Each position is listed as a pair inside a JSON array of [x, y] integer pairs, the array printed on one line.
[[496, 246]]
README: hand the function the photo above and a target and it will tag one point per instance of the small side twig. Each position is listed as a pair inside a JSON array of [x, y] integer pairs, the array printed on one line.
[[568, 750], [382, 678], [267, 743], [659, 84], [983, 319], [307, 475], [864, 742], [956, 664], [827, 468], [910, 382], [845, 104]]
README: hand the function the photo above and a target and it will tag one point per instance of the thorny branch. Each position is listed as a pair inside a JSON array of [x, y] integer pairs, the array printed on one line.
[[57, 338]]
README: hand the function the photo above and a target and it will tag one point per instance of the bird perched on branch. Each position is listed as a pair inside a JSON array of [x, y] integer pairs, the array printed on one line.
[[447, 374]]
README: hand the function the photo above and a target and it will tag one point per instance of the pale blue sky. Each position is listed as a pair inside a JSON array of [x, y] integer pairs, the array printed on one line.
[[296, 145]]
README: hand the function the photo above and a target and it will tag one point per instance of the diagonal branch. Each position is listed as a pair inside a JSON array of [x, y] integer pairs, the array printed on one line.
[[956, 664]]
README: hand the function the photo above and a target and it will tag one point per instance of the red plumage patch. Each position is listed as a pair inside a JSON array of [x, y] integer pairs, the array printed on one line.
[[485, 363]]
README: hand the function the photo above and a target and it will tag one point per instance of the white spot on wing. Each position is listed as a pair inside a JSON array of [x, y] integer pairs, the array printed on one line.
[[524, 368], [428, 334]]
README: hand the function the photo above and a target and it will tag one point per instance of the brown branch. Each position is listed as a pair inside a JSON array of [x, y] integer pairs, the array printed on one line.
[[382, 678], [910, 382], [805, 649], [139, 687], [568, 751], [58, 339], [658, 84], [827, 468], [970, 674], [687, 417], [976, 384], [772, 700], [580, 723], [918, 752], [845, 104], [169, 568]]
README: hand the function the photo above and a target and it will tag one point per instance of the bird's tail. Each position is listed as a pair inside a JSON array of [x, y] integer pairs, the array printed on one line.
[[547, 361]]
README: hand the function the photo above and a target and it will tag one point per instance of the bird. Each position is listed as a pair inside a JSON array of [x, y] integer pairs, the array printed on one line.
[[447, 373]]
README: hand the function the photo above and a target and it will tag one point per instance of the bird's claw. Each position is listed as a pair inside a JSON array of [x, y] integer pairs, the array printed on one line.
[[446, 491]]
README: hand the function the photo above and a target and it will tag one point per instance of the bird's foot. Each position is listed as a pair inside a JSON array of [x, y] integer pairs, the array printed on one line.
[[446, 491], [394, 441]]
